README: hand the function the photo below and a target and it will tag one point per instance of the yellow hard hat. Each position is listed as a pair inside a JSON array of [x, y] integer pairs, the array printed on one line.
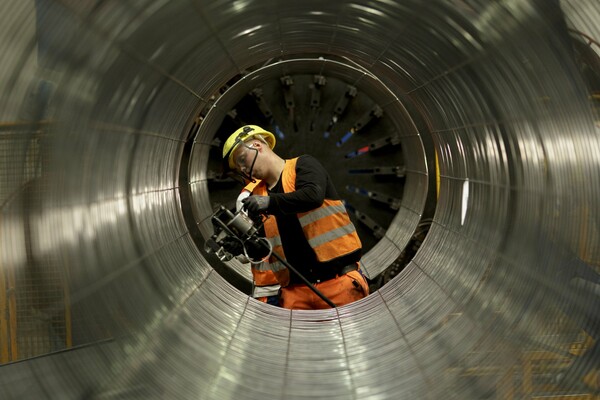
[[241, 135]]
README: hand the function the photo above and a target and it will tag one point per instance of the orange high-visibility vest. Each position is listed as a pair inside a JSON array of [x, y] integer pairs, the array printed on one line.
[[327, 228]]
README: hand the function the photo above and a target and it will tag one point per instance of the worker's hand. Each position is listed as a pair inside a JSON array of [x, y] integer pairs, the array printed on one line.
[[256, 204]]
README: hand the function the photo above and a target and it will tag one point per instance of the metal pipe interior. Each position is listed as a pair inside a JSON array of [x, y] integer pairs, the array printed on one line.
[[496, 89]]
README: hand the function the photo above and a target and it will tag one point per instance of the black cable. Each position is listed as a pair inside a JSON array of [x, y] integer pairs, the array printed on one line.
[[310, 285]]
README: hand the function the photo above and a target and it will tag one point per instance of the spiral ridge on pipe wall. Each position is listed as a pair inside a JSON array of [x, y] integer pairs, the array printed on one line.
[[105, 292]]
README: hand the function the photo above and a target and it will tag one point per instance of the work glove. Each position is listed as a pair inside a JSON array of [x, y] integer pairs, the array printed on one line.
[[256, 204]]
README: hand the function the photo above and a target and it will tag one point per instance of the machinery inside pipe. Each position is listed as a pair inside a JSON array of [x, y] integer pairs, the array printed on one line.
[[371, 148], [109, 113]]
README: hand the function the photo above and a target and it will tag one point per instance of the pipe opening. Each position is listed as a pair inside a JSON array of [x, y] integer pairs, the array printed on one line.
[[340, 114]]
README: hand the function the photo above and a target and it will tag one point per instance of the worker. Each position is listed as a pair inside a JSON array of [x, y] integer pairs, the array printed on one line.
[[304, 220]]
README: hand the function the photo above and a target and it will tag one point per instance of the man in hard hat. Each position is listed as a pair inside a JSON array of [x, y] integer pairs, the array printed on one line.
[[304, 220]]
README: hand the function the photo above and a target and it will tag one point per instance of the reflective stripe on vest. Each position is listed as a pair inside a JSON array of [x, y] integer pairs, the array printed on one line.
[[275, 241], [269, 266], [321, 212], [331, 235]]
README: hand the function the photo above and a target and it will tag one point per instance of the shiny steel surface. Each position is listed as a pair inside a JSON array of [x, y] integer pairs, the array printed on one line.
[[495, 85]]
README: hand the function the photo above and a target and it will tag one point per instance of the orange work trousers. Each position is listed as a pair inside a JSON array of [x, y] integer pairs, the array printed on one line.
[[341, 290]]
